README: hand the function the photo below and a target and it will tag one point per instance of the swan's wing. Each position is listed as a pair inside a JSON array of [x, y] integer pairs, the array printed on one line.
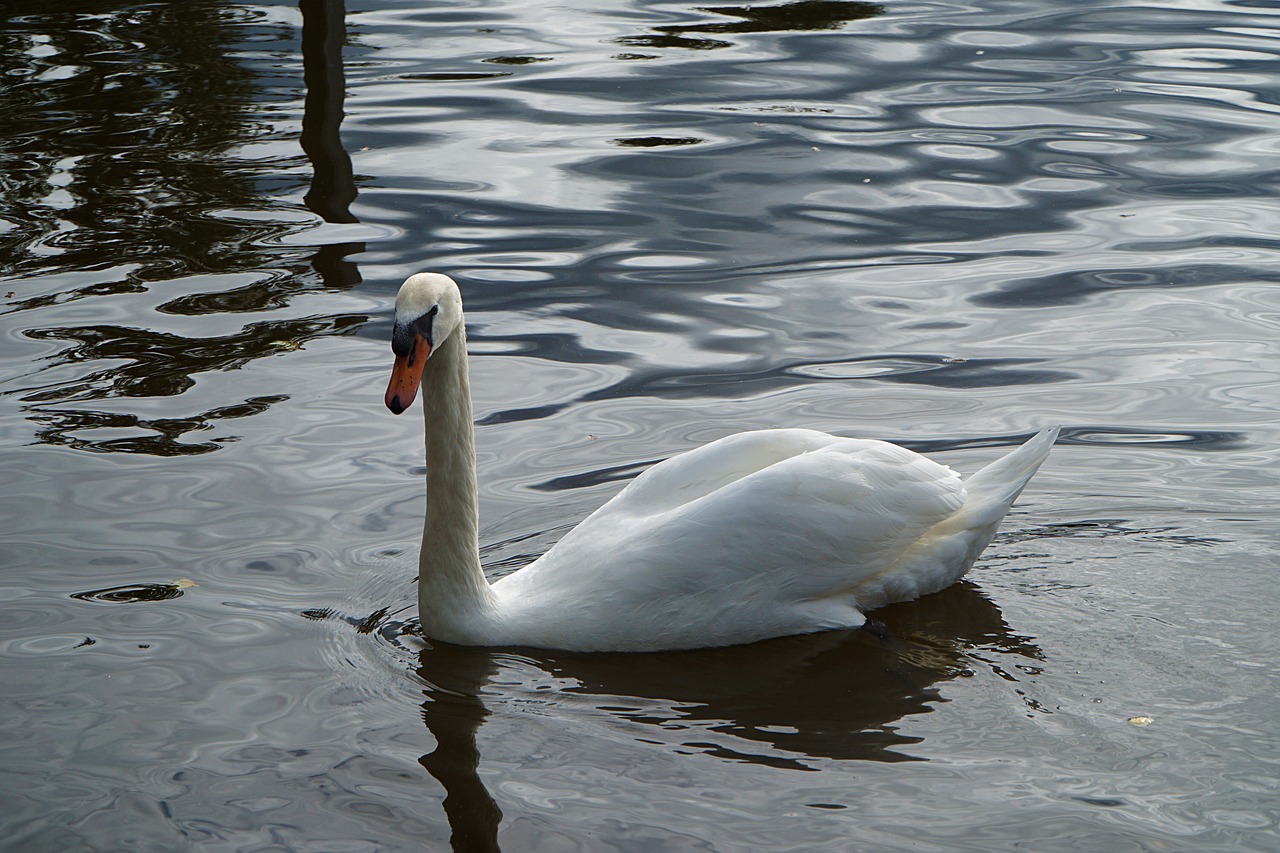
[[704, 470], [791, 515]]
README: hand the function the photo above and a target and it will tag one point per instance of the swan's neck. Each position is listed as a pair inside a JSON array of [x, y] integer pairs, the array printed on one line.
[[452, 591]]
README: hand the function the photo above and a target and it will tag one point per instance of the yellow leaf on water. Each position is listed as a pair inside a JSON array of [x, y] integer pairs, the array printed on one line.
[[1140, 721], [183, 583]]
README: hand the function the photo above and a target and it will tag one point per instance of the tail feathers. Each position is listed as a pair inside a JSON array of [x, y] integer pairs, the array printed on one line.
[[941, 556], [994, 488]]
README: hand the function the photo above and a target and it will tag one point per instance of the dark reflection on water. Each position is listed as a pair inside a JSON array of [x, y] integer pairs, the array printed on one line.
[[934, 370], [163, 364], [333, 186], [656, 141], [833, 695], [133, 594], [453, 713], [781, 703], [1079, 286], [1110, 527], [1205, 439], [125, 169], [797, 16], [153, 100], [167, 435]]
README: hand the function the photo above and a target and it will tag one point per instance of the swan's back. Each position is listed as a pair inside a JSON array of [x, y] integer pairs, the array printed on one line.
[[760, 534]]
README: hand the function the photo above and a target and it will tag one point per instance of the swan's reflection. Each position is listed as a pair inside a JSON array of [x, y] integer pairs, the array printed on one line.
[[835, 695], [453, 712]]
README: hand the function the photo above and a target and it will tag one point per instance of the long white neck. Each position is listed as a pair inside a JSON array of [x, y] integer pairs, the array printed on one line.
[[453, 594]]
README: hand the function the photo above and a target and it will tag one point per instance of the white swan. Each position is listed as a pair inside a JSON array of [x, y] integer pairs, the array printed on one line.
[[757, 535]]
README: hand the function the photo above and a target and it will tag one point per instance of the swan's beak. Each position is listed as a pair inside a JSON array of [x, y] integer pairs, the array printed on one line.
[[406, 375]]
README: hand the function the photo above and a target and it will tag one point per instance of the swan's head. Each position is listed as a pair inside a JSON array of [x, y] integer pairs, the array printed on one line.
[[428, 310]]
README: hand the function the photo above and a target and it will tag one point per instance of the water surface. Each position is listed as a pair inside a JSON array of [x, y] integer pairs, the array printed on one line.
[[944, 224]]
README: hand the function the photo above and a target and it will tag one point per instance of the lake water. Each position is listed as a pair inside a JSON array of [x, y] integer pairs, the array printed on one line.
[[942, 223]]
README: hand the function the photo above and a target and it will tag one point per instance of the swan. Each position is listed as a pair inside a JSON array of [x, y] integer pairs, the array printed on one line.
[[757, 535]]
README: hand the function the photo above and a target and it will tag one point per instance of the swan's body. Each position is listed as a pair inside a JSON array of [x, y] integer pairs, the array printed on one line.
[[757, 535]]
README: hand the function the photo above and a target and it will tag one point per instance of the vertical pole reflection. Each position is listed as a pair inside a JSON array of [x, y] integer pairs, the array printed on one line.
[[453, 713], [333, 186]]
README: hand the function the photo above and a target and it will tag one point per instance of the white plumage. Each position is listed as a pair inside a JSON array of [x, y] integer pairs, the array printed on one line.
[[757, 535]]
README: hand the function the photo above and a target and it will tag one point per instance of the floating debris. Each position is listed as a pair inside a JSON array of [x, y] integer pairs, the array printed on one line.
[[1141, 721]]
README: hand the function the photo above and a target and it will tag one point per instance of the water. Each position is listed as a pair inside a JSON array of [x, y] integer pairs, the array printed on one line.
[[940, 223]]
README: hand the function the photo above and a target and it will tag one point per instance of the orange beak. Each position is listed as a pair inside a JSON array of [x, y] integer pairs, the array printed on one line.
[[406, 376]]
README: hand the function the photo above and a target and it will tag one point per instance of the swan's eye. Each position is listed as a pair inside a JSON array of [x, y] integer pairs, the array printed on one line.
[[423, 324]]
